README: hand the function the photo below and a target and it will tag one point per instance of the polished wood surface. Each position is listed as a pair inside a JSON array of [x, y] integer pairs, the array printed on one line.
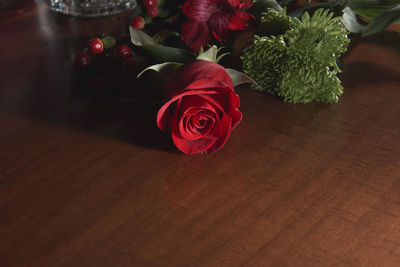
[[91, 184]]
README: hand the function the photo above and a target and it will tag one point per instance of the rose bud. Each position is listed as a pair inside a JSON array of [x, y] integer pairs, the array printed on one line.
[[202, 107]]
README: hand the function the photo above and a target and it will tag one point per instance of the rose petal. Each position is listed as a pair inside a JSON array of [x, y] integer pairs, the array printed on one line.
[[207, 84], [189, 130], [235, 100], [221, 134], [236, 117], [224, 101], [195, 104], [164, 113], [189, 146], [204, 70]]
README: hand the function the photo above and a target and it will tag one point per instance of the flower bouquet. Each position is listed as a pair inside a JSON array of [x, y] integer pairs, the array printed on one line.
[[176, 53]]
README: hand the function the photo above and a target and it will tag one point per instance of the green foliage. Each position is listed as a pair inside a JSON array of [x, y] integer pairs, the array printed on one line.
[[274, 23], [299, 63], [160, 53], [383, 19], [380, 13], [260, 6], [319, 38], [370, 8]]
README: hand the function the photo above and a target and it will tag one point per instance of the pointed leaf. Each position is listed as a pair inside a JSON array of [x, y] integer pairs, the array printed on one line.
[[166, 68], [140, 38], [336, 6], [163, 53], [239, 77], [384, 19], [159, 52], [370, 8], [108, 41]]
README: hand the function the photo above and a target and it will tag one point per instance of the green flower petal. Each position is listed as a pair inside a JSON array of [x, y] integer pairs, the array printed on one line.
[[297, 59]]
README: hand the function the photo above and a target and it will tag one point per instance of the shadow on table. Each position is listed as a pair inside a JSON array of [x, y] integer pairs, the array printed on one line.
[[49, 97], [126, 111], [359, 73], [388, 38], [128, 120]]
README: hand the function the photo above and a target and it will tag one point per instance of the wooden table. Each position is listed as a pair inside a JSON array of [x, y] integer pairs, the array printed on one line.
[[89, 184]]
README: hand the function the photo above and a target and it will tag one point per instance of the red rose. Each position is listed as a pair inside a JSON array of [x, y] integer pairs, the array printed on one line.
[[202, 108]]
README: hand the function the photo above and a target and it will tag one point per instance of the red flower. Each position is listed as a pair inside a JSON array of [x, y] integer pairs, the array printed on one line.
[[203, 108], [213, 17]]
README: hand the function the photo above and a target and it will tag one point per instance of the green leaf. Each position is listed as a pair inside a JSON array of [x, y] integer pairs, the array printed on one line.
[[239, 77], [349, 19], [167, 68], [336, 6], [370, 8], [261, 6], [163, 53], [140, 38], [164, 34], [384, 19], [159, 52], [108, 41]]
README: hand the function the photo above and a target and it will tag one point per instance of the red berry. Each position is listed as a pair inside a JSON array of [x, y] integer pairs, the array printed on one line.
[[123, 51], [96, 46], [150, 4], [152, 12], [81, 59], [137, 22]]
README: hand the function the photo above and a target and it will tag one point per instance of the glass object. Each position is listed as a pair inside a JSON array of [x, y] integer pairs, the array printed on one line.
[[91, 8]]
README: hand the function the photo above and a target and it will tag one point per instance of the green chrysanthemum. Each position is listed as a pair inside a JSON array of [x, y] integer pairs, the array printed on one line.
[[305, 83], [273, 23], [298, 64], [318, 38], [263, 62]]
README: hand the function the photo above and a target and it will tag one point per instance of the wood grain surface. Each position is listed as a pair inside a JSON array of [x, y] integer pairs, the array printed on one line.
[[89, 184]]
